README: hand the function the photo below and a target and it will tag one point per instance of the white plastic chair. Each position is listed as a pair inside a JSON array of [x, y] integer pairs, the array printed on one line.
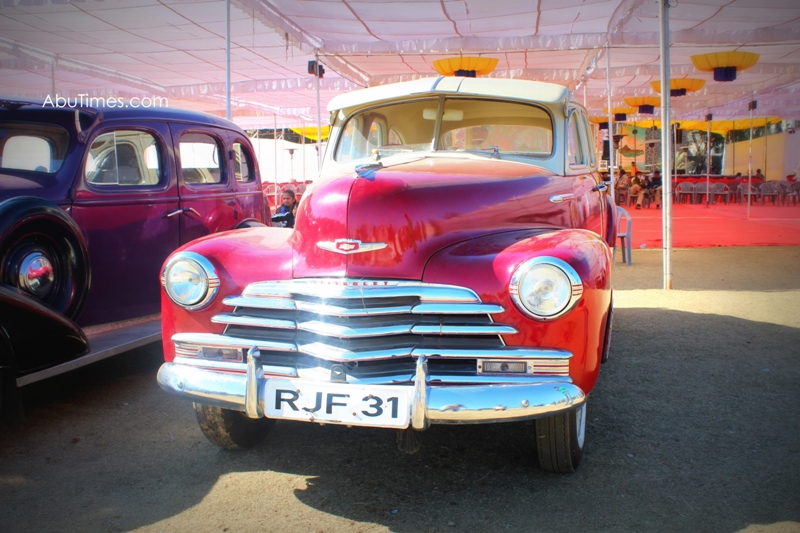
[[624, 236]]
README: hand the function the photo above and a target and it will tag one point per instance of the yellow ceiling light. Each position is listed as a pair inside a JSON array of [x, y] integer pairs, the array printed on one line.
[[680, 86], [620, 113], [725, 65], [645, 104], [469, 66]]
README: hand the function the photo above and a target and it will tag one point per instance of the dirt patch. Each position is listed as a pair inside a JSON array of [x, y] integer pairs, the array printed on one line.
[[692, 427]]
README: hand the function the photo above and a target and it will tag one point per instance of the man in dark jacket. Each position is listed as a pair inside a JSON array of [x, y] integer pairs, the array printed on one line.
[[655, 187]]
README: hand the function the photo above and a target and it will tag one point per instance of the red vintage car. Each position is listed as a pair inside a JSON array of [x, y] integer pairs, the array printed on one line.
[[92, 201], [451, 266]]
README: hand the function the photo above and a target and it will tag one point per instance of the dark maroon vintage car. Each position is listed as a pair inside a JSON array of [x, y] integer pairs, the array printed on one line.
[[92, 201], [451, 266]]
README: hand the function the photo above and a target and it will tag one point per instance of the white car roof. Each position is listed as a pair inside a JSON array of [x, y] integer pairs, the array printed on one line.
[[533, 91]]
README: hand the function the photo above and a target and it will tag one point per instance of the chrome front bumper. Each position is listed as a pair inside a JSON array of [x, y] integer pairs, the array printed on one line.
[[432, 403]]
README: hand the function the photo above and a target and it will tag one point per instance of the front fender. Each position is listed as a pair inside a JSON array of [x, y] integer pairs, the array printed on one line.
[[36, 336], [487, 264], [240, 257]]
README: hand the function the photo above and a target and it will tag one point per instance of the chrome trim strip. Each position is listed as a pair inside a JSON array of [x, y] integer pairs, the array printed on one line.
[[493, 353], [221, 341], [336, 310], [240, 320], [456, 309], [362, 289], [260, 303], [333, 353], [347, 332], [228, 366], [477, 329]]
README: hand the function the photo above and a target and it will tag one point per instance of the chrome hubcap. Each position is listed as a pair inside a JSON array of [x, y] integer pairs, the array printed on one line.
[[36, 274]]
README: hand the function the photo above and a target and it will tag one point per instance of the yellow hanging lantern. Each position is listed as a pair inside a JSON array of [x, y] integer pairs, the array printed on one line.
[[469, 66], [645, 104], [725, 65], [680, 86]]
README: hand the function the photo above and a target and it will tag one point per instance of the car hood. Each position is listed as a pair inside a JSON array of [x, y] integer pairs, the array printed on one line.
[[398, 215]]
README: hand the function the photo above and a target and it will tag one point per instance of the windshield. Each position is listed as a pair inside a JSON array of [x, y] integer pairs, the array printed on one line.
[[35, 147], [473, 125]]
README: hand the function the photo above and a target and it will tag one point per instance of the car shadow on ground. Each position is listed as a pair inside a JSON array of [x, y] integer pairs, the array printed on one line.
[[692, 427]]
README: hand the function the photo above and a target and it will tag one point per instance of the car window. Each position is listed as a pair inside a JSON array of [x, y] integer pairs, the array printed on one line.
[[384, 127], [36, 147], [576, 154], [200, 159], [242, 164], [489, 125], [590, 142], [126, 158]]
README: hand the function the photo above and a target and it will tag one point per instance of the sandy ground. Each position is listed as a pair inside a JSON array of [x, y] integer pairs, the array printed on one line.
[[693, 427]]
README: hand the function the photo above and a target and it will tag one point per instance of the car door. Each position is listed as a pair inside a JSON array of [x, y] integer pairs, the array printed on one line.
[[205, 186], [589, 191], [247, 182], [124, 196]]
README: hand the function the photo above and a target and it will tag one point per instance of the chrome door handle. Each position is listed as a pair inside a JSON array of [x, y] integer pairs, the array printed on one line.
[[184, 210], [559, 198], [600, 187]]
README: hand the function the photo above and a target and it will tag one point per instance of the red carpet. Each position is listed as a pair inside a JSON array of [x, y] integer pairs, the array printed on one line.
[[698, 226]]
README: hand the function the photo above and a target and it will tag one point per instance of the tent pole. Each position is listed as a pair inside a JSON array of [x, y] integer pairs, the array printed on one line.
[[303, 145], [750, 163], [275, 146], [228, 59], [708, 162], [319, 120], [611, 158], [666, 185]]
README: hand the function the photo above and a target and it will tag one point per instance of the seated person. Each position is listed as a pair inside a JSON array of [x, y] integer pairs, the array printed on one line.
[[621, 184], [655, 187], [638, 187], [284, 215]]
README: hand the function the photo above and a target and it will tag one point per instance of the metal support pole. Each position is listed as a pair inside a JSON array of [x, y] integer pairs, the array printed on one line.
[[228, 59], [750, 165], [319, 120], [708, 162], [611, 154], [275, 146], [666, 186]]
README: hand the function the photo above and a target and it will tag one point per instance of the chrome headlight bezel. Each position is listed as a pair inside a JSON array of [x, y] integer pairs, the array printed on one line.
[[201, 265], [571, 281]]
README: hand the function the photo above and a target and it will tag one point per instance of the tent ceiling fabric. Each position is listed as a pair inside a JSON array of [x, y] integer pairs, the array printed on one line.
[[176, 49]]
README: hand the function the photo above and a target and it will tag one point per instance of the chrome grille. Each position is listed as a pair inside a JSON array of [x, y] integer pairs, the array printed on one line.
[[376, 327]]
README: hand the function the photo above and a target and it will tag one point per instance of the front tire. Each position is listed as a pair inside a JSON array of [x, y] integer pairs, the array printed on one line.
[[560, 440], [231, 430]]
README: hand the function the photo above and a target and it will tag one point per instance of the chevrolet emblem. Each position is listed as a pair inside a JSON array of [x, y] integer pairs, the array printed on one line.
[[350, 246]]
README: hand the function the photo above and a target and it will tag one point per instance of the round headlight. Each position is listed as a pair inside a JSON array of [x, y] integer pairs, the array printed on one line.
[[545, 287], [190, 280]]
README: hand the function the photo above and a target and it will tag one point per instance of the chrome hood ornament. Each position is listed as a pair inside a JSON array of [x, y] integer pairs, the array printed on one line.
[[350, 246]]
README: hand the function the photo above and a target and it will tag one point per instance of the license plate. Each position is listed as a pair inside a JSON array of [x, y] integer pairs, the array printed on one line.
[[334, 403]]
